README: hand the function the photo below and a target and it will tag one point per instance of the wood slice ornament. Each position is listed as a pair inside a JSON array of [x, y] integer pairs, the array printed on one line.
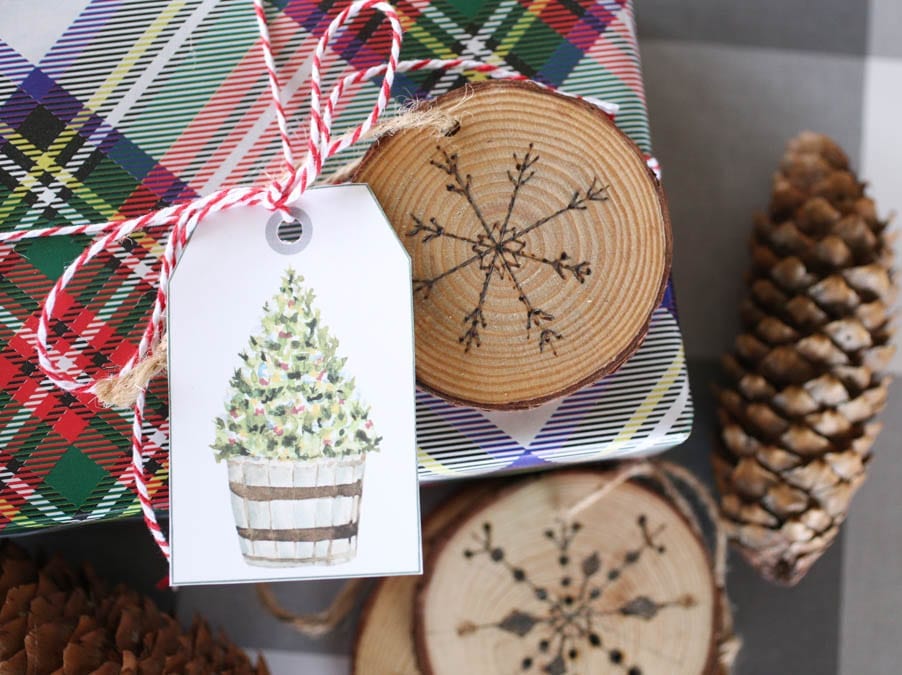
[[572, 572], [540, 242]]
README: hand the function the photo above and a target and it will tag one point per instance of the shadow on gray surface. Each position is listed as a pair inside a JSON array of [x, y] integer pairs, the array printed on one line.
[[120, 551], [834, 26]]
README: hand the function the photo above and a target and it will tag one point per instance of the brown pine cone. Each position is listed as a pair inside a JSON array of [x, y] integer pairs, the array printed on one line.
[[806, 377], [56, 621]]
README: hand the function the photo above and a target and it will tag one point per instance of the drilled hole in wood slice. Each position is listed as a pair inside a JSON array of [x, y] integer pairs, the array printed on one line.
[[624, 586], [540, 243]]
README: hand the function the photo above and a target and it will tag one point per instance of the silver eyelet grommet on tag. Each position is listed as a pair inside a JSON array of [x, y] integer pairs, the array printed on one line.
[[289, 236]]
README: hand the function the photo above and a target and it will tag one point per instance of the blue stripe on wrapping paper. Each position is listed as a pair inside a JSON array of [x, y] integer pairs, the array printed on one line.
[[561, 64], [311, 15], [40, 89], [528, 461], [38, 85], [601, 14], [669, 300], [405, 87], [131, 158], [469, 422], [78, 37]]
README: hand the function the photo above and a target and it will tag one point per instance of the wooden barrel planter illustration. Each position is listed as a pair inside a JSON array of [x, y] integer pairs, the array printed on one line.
[[295, 512]]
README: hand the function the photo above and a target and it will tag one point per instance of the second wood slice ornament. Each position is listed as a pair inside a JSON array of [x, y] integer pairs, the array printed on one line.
[[540, 242], [569, 573]]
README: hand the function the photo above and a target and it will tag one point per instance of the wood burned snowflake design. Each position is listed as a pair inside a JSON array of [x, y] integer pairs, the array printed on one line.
[[501, 248], [561, 621]]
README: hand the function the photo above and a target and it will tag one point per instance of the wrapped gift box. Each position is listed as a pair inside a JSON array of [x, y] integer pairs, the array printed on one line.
[[108, 110]]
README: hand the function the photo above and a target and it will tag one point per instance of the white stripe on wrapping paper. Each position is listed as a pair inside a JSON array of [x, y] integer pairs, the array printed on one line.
[[644, 407], [9, 320], [33, 498], [160, 61], [105, 506], [49, 194], [663, 429], [32, 28]]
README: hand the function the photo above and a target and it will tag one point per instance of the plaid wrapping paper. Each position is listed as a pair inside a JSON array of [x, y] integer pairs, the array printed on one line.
[[142, 103]]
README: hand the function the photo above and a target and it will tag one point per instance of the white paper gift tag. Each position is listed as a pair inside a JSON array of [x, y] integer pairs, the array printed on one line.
[[291, 375]]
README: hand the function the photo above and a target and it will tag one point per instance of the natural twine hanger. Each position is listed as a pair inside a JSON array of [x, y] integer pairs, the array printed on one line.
[[664, 475], [320, 623]]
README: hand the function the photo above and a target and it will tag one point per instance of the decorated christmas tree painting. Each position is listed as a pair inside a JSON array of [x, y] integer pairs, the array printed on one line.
[[290, 397], [295, 433]]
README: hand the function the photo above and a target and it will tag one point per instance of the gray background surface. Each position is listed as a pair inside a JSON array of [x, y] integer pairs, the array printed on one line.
[[727, 82]]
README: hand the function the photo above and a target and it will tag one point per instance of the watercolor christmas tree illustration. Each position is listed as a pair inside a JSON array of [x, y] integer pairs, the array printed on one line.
[[295, 434], [290, 397]]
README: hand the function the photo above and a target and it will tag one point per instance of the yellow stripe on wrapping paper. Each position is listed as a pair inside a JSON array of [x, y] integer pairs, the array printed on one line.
[[432, 465], [156, 247], [647, 407], [46, 161], [140, 48], [8, 510], [434, 45], [519, 29], [15, 515]]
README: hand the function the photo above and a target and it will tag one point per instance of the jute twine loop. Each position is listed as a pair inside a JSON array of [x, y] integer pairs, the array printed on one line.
[[122, 390], [318, 624], [674, 481]]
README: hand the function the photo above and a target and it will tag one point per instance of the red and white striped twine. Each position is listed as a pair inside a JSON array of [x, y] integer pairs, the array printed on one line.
[[181, 219]]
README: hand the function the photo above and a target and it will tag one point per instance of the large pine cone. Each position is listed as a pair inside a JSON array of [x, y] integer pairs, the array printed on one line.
[[797, 418], [53, 620]]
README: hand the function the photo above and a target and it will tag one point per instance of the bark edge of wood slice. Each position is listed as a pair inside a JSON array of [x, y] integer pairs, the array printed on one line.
[[540, 242], [511, 645], [384, 639]]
